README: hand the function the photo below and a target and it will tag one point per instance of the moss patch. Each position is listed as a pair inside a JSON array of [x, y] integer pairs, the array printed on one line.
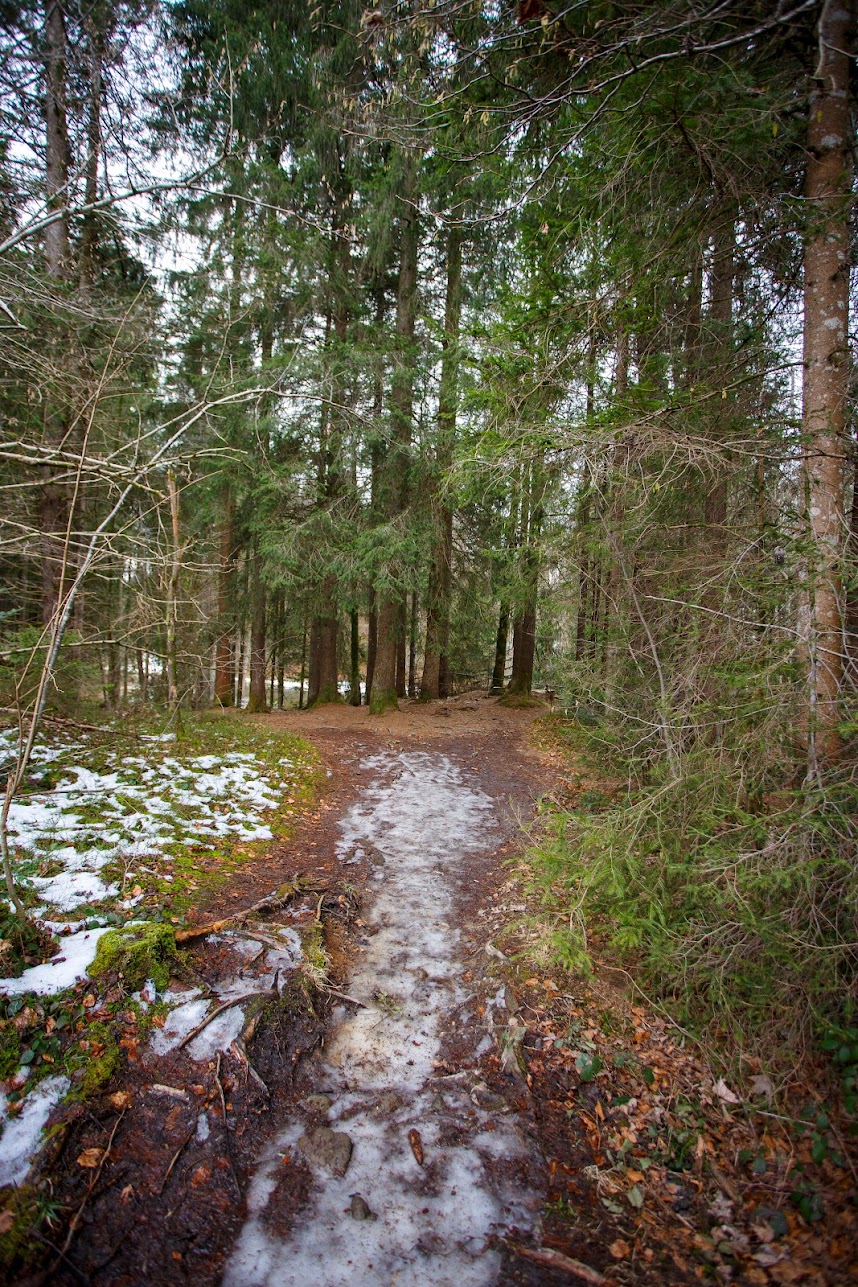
[[135, 955]]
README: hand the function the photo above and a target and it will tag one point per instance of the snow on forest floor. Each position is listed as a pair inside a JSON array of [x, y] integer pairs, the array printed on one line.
[[110, 831], [92, 818], [428, 1173]]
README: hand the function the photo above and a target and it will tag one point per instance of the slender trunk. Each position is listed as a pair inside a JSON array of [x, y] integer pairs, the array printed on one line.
[[226, 578], [412, 648], [393, 471], [354, 671], [720, 352], [501, 643], [303, 675], [89, 229], [53, 501], [375, 455], [256, 695], [524, 632], [57, 158], [438, 602], [852, 592], [401, 646], [371, 644], [173, 597], [827, 371]]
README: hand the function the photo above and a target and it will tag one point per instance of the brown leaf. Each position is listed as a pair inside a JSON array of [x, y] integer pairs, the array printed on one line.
[[121, 1099], [7, 1219], [416, 1145], [90, 1158], [127, 1193], [619, 1249]]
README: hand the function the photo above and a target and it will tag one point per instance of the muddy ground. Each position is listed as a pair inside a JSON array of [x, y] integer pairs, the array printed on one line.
[[481, 1149]]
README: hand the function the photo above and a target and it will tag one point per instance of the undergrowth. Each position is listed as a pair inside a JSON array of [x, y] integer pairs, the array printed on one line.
[[732, 900]]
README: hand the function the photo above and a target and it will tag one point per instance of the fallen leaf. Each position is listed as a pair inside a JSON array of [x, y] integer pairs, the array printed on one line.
[[7, 1219], [90, 1158], [619, 1249], [121, 1099], [416, 1145], [762, 1086], [127, 1193], [723, 1091]]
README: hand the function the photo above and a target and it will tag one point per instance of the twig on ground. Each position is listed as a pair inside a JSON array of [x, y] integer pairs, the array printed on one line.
[[556, 1260], [178, 1153], [226, 1005], [75, 1220], [226, 1127], [277, 898]]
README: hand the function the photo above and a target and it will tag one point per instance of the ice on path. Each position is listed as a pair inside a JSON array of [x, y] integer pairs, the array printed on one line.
[[434, 1223]]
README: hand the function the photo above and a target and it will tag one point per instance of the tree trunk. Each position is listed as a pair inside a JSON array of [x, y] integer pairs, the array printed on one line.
[[354, 670], [412, 647], [524, 628], [256, 696], [499, 672], [401, 648], [173, 598], [826, 371], [393, 470], [89, 229], [57, 158], [720, 352], [223, 687], [371, 644], [438, 602], [53, 502]]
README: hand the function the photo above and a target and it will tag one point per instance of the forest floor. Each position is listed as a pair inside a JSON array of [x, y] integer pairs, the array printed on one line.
[[410, 1091]]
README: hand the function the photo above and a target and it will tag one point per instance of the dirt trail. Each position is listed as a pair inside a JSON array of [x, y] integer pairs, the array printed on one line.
[[390, 1142], [438, 1197]]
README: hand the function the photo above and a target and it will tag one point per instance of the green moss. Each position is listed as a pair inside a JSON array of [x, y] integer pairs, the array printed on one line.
[[383, 700], [18, 1247], [144, 952], [10, 1050], [313, 945], [101, 1059]]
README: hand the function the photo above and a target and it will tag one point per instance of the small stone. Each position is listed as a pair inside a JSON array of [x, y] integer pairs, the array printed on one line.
[[388, 1103], [318, 1103], [327, 1148], [360, 1208]]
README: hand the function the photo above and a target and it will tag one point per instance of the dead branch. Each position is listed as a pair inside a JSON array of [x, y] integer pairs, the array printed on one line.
[[226, 1005], [270, 903], [556, 1260]]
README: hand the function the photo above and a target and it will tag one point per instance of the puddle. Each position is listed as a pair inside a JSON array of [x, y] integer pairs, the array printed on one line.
[[435, 1223]]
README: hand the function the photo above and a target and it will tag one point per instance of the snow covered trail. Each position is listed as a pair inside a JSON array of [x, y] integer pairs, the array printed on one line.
[[433, 1223]]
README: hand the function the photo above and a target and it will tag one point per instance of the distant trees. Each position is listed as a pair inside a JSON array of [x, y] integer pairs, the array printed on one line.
[[498, 327]]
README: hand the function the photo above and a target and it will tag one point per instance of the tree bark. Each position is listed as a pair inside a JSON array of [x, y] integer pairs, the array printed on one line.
[[438, 602], [826, 372], [393, 471], [173, 597], [256, 695], [223, 686], [501, 642]]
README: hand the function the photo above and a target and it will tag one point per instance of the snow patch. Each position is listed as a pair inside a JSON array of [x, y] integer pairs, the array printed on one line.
[[75, 955], [22, 1134]]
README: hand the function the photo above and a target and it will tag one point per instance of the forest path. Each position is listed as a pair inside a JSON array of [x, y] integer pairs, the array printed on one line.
[[404, 1097], [441, 1162]]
